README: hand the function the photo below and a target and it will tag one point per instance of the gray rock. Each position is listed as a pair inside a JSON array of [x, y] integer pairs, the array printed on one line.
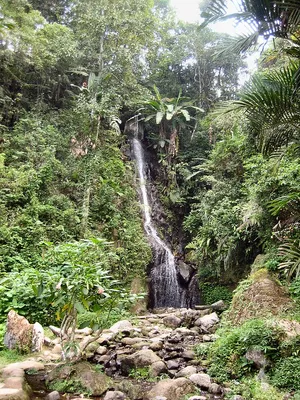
[[257, 357], [157, 368], [208, 321], [101, 350], [85, 331], [55, 330], [214, 388], [188, 354], [218, 305], [139, 359], [197, 398], [129, 341], [38, 337], [18, 332], [156, 345], [185, 271], [96, 383], [173, 364], [172, 321], [201, 380], [106, 338], [186, 372], [121, 326], [171, 389], [48, 342], [237, 397], [53, 395], [114, 395]]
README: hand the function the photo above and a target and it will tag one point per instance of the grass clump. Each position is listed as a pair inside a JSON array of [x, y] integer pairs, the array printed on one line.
[[10, 356]]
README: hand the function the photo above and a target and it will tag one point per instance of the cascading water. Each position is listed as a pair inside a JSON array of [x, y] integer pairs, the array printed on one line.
[[164, 283]]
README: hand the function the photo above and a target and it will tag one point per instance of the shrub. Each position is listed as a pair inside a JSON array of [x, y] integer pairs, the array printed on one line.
[[253, 389], [212, 293], [286, 373], [227, 354]]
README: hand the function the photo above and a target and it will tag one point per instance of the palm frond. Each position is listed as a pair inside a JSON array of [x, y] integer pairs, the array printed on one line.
[[283, 202], [290, 252], [267, 18]]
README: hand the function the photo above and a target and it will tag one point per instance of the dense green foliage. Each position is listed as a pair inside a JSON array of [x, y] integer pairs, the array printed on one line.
[[72, 74], [227, 354]]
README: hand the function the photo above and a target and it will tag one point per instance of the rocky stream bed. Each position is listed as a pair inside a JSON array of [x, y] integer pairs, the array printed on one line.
[[150, 357]]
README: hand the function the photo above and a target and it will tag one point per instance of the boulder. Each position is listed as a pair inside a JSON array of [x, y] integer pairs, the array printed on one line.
[[171, 389], [101, 350], [207, 321], [188, 354], [96, 383], [121, 326], [201, 380], [219, 305], [172, 364], [114, 395], [214, 388], [17, 369], [186, 372], [257, 357], [18, 332], [172, 321], [106, 337], [157, 368], [185, 271], [53, 395], [85, 331], [139, 359], [38, 337]]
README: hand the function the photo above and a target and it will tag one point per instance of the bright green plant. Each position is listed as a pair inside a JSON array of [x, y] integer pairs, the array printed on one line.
[[69, 386], [254, 389], [286, 373], [140, 374], [211, 293], [227, 354]]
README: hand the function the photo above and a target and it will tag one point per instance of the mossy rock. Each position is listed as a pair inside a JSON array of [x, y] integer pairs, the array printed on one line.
[[78, 378], [261, 295]]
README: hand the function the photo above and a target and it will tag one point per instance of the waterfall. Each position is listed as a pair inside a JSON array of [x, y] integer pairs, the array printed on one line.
[[166, 290]]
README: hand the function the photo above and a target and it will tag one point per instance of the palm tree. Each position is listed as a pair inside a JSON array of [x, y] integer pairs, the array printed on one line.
[[264, 18], [272, 108], [171, 114]]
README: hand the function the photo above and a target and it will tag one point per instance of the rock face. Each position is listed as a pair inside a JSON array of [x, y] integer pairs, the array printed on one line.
[[171, 389], [18, 332]]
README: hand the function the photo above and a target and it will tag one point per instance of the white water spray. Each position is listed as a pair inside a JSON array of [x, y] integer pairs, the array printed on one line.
[[164, 282]]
